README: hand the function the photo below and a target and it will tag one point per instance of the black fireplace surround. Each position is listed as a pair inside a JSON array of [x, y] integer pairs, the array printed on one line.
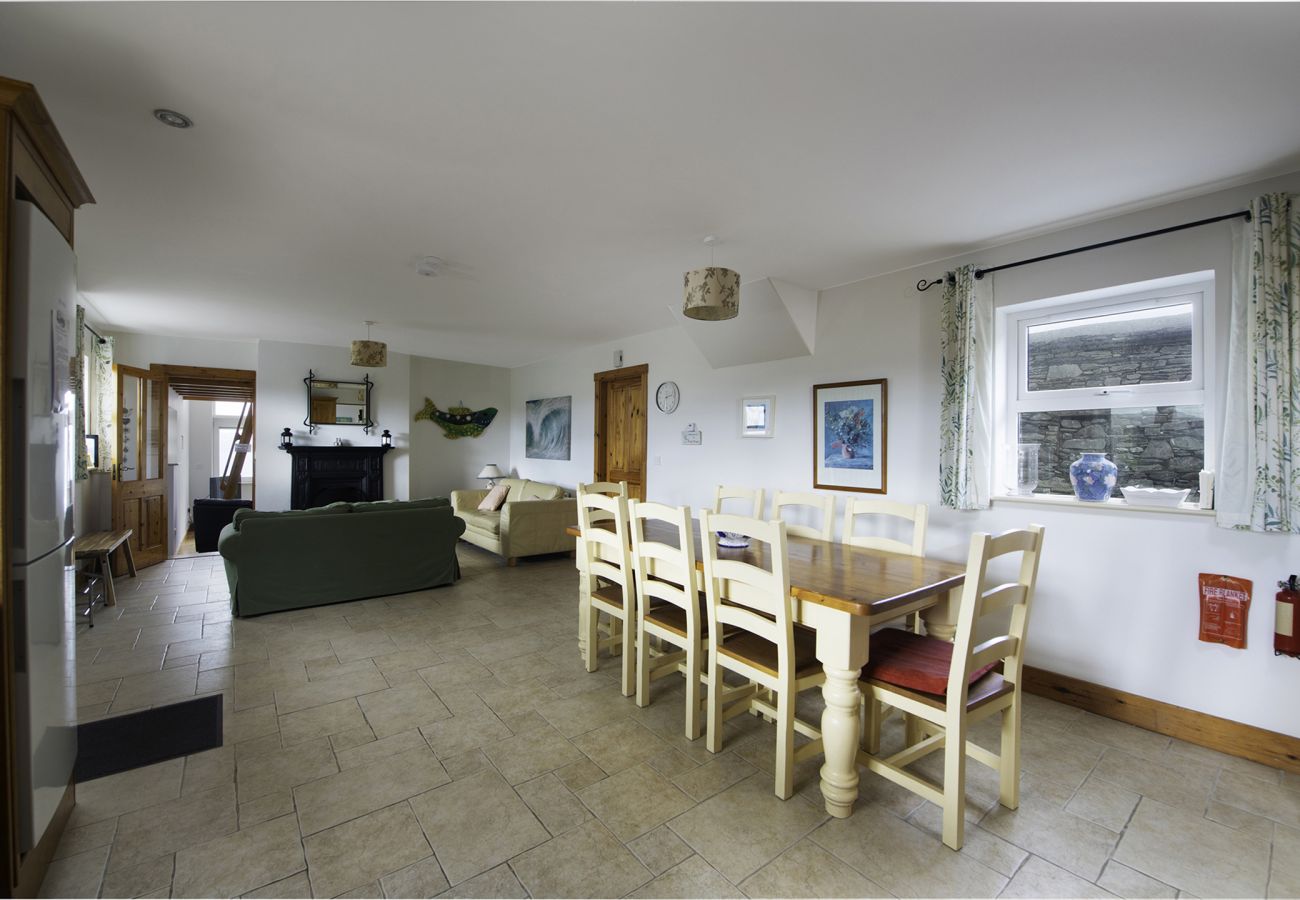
[[323, 475]]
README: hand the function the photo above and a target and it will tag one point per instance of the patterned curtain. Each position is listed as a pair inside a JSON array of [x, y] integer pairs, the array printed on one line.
[[79, 392], [966, 413], [1259, 483], [103, 409]]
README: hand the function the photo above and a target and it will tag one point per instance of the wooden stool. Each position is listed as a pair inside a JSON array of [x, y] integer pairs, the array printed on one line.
[[98, 547]]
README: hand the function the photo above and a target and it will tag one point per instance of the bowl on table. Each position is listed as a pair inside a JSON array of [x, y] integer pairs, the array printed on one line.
[[1141, 496], [732, 539]]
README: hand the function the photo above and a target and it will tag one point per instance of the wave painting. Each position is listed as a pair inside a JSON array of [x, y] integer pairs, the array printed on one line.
[[547, 425]]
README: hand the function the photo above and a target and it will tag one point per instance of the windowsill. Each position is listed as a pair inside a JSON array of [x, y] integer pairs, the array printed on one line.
[[1114, 504]]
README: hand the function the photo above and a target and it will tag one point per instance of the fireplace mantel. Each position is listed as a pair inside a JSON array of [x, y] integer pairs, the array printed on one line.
[[328, 474]]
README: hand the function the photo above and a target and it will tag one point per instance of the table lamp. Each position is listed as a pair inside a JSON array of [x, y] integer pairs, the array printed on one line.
[[491, 473]]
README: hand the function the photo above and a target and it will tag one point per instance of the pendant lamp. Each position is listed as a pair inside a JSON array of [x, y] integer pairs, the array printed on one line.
[[369, 354], [712, 293]]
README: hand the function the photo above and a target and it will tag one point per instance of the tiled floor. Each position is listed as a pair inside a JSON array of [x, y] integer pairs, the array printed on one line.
[[450, 742]]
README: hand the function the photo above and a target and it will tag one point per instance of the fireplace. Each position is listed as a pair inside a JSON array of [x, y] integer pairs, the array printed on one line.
[[324, 475]]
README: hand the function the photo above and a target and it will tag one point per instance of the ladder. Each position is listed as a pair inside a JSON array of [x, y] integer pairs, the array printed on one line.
[[243, 443]]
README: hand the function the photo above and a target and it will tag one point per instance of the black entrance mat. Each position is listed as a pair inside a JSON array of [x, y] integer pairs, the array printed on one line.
[[146, 737]]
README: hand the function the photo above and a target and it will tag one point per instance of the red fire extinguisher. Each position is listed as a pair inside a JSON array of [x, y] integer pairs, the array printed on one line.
[[1286, 634]]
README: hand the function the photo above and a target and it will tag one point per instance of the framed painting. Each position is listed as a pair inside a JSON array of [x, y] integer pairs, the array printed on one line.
[[757, 416], [849, 435], [547, 426]]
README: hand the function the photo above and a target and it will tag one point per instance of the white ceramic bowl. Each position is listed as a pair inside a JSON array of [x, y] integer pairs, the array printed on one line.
[[1155, 496]]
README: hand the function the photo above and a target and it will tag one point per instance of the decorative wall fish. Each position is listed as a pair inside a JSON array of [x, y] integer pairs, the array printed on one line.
[[458, 421]]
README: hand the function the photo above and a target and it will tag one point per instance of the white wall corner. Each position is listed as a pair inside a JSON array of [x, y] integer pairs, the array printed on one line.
[[802, 306], [776, 321]]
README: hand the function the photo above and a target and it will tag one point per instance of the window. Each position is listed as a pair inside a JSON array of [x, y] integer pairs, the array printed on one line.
[[1121, 371]]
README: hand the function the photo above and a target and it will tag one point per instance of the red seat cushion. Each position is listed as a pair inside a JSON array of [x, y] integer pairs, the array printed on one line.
[[914, 661]]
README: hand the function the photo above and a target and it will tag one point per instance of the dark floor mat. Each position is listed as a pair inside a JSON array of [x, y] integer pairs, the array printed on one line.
[[146, 737]]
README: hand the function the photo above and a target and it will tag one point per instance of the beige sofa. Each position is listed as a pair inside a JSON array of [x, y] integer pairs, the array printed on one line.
[[531, 522]]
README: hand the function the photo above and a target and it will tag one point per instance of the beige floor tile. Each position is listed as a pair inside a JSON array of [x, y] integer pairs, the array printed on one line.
[[1281, 804], [407, 661], [1178, 781], [1192, 853], [167, 827], [454, 672], [659, 850], [689, 879], [585, 862], [465, 731], [240, 862], [673, 762], [320, 721], [476, 823], [1284, 874], [1240, 820], [265, 808], [246, 724], [281, 770], [141, 879], [80, 875], [317, 693], [575, 715], [399, 709], [1060, 837], [634, 801], [297, 885], [743, 828], [1120, 735], [807, 870], [365, 849], [209, 769], [422, 879], [1061, 757], [362, 645], [525, 756], [465, 764], [167, 686], [364, 892], [1122, 881], [352, 738], [499, 883], [1039, 878], [716, 775], [87, 837], [1106, 804], [578, 775], [113, 665], [619, 745], [335, 799], [375, 750], [904, 860], [555, 805], [984, 847]]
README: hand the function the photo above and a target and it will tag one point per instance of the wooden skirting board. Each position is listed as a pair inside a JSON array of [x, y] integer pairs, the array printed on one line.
[[1268, 747]]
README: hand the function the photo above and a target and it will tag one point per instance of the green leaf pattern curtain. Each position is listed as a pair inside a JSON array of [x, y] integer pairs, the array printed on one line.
[[1259, 482], [966, 413], [79, 392]]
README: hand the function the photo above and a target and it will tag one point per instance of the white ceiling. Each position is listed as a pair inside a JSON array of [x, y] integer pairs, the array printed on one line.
[[566, 159]]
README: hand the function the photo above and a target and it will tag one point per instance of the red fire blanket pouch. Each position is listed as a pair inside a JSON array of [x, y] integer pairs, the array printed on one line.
[[1225, 601]]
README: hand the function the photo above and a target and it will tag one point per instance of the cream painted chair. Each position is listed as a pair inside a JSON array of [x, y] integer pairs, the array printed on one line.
[[669, 605], [916, 513], [606, 581], [823, 503], [604, 488], [753, 496], [752, 633], [952, 686]]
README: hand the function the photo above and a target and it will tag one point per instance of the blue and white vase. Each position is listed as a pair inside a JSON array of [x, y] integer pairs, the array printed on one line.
[[1093, 477]]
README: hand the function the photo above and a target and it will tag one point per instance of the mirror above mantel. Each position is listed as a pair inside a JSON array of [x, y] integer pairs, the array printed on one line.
[[334, 402]]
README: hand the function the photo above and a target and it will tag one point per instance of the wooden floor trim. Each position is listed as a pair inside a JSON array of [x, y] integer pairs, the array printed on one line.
[[1268, 747]]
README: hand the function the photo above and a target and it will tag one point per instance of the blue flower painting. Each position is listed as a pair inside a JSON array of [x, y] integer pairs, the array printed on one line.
[[848, 436], [547, 428]]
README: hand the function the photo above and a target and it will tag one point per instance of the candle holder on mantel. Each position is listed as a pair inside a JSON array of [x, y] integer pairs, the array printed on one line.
[[286, 439]]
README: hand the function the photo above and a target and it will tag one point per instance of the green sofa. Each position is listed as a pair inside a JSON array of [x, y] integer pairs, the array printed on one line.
[[345, 551]]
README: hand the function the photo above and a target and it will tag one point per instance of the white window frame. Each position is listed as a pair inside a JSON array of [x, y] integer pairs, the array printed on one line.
[[1012, 396]]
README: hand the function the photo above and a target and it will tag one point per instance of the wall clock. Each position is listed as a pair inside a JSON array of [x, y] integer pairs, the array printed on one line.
[[668, 396]]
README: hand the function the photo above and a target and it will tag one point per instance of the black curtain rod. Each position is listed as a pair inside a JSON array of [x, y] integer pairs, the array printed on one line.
[[924, 285], [102, 339]]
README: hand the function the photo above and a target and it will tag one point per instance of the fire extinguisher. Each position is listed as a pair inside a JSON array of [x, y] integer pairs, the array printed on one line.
[[1286, 634]]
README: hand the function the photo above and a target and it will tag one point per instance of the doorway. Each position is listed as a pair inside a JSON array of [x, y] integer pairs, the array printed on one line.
[[621, 419]]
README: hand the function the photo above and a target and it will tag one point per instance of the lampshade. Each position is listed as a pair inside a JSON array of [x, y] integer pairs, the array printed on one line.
[[712, 294], [369, 354], [491, 471]]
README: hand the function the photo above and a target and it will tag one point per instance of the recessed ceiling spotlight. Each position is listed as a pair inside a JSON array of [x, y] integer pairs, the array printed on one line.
[[173, 118], [431, 266]]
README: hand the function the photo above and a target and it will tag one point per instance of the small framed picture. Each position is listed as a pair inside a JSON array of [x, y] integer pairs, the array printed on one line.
[[757, 416], [92, 450], [849, 435]]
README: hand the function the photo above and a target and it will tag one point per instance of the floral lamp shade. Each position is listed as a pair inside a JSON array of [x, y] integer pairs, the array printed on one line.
[[712, 294], [372, 354]]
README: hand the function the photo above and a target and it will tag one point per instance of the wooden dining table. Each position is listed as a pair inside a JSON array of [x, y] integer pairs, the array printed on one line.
[[841, 592]]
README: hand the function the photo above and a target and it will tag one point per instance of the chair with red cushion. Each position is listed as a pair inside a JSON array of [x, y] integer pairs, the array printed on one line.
[[949, 687]]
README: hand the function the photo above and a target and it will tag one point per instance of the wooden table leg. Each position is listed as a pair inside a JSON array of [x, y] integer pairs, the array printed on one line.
[[104, 563], [941, 619], [130, 560], [843, 641]]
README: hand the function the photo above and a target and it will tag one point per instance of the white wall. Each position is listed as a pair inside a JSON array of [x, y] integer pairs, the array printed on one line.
[[142, 350], [178, 454], [282, 401], [1117, 601], [440, 465], [200, 442]]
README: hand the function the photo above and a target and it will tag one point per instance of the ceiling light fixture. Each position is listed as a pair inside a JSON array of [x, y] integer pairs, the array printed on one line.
[[712, 294], [173, 118], [369, 354], [431, 266]]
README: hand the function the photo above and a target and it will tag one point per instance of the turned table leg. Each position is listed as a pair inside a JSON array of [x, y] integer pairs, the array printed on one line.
[[842, 644], [941, 619]]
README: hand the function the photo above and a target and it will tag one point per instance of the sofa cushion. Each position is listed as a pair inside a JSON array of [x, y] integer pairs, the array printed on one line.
[[516, 488], [486, 522], [494, 500], [243, 515], [536, 490], [394, 505]]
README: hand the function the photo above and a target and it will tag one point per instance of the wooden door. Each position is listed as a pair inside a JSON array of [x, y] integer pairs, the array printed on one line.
[[621, 428], [140, 488]]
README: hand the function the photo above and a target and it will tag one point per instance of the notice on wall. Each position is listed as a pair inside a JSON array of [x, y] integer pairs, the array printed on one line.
[[1225, 601]]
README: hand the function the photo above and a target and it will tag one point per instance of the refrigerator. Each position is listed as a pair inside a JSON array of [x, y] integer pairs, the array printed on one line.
[[39, 484]]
